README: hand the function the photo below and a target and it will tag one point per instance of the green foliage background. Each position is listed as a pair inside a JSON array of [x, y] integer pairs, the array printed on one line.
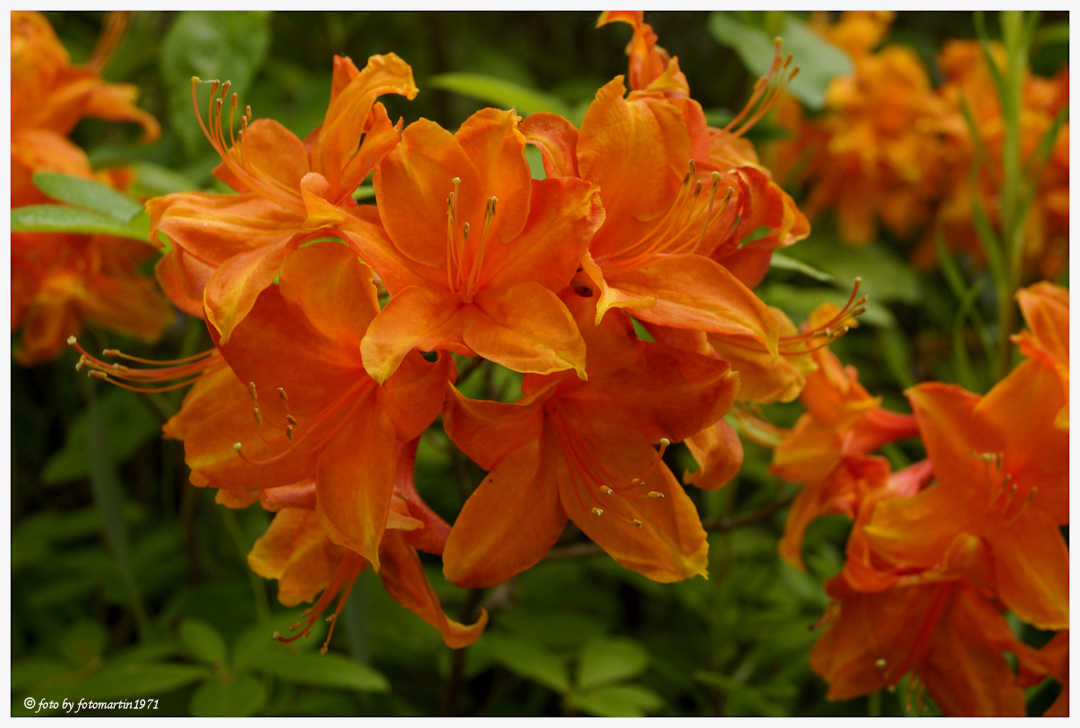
[[127, 582]]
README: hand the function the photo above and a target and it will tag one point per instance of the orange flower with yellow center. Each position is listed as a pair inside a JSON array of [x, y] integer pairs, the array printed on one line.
[[229, 248], [583, 450], [472, 250]]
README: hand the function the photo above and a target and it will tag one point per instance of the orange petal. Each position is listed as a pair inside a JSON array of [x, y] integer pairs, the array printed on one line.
[[1046, 311], [557, 140], [719, 453], [295, 551], [383, 136], [275, 152], [405, 581], [917, 531], [489, 431], [418, 318], [510, 521], [761, 378], [413, 397], [1031, 563], [216, 390], [525, 328], [432, 537], [364, 231], [355, 480], [231, 291], [670, 545], [694, 292], [183, 279]]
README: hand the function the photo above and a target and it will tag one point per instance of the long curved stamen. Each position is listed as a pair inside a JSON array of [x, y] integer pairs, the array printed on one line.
[[342, 581], [189, 369], [478, 260], [767, 91], [235, 157]]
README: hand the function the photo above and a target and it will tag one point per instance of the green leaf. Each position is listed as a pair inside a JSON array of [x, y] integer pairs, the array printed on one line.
[[153, 179], [235, 696], [134, 680], [819, 61], [63, 219], [744, 692], [526, 659], [364, 192], [228, 45], [88, 194], [82, 642], [785, 263], [32, 670], [502, 93], [885, 275], [128, 424], [203, 641], [330, 670], [606, 660], [618, 701]]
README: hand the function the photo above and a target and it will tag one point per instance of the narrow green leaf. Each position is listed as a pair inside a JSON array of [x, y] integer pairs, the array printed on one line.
[[233, 696], [88, 194], [63, 219], [330, 670], [1051, 34], [606, 660], [618, 701], [965, 374], [502, 93], [203, 642], [783, 262], [110, 499]]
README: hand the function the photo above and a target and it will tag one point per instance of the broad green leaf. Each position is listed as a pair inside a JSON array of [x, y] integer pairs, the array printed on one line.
[[128, 424], [330, 671], [618, 701], [154, 650], [526, 659], [134, 680], [86, 193], [885, 275], [234, 696], [203, 641], [502, 93], [154, 179], [819, 61], [783, 262], [64, 219], [747, 693], [606, 660], [799, 303], [229, 45]]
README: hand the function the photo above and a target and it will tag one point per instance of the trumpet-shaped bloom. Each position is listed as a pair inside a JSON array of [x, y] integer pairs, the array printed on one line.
[[473, 251], [48, 98], [296, 551], [583, 450], [1046, 311], [228, 248], [312, 410], [61, 281], [1002, 487]]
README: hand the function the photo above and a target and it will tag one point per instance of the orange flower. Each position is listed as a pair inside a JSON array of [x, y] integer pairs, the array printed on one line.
[[297, 552], [1046, 310], [826, 449], [320, 416], [473, 251], [48, 98], [228, 248], [583, 450], [1055, 654], [950, 633], [875, 153], [1002, 491], [60, 281]]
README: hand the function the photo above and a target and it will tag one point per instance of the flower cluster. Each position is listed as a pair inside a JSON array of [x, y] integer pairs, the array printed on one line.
[[941, 548], [315, 396], [890, 148], [61, 280]]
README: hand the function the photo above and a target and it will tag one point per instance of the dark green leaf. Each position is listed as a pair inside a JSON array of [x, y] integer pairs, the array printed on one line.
[[228, 45], [618, 701], [86, 193], [63, 219], [82, 642], [128, 424], [502, 93], [606, 660], [525, 659], [203, 642], [330, 670], [747, 693], [234, 696], [131, 681]]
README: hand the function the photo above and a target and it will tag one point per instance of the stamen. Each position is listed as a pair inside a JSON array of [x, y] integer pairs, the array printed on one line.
[[187, 369], [284, 397], [258, 417], [654, 494], [342, 581], [598, 511], [253, 392]]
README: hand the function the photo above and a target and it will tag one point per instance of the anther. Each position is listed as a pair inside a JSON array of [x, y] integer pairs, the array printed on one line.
[[98, 375], [196, 79], [607, 490], [71, 341], [291, 420], [225, 88], [637, 523], [466, 231], [655, 494], [110, 352], [880, 662], [80, 364], [288, 432], [237, 447], [258, 417], [276, 635], [598, 511], [253, 392], [284, 397]]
